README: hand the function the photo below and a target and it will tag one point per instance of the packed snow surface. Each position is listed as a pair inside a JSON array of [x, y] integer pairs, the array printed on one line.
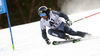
[[29, 42]]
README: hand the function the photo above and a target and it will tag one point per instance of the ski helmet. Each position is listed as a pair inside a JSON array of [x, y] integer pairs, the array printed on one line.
[[42, 9]]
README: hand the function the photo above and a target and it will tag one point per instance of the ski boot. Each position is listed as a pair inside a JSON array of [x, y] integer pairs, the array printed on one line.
[[68, 38]]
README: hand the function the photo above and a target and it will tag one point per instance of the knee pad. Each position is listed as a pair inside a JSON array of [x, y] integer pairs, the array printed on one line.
[[50, 31], [56, 33]]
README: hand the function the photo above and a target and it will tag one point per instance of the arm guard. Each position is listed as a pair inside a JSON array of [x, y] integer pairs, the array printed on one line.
[[44, 35]]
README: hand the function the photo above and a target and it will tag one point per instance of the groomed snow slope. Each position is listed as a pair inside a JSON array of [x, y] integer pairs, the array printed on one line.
[[29, 42]]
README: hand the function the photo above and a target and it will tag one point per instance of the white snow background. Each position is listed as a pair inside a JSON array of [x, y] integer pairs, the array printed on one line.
[[28, 40]]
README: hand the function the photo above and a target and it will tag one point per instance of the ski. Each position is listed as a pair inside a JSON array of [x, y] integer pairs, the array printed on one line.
[[67, 41]]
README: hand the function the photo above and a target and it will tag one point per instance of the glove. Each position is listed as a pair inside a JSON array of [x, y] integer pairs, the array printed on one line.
[[48, 41], [69, 23]]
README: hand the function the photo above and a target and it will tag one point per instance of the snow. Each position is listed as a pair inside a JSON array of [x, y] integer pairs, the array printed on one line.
[[29, 42]]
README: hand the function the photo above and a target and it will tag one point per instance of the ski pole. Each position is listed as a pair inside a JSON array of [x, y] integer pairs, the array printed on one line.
[[86, 17]]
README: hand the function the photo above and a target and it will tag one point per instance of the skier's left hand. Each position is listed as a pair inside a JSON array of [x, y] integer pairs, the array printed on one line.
[[48, 41], [69, 23]]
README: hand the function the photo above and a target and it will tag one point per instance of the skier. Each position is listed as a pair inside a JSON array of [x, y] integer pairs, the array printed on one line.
[[58, 28]]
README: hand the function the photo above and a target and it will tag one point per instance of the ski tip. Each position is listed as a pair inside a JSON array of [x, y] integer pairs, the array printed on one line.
[[76, 40], [55, 43]]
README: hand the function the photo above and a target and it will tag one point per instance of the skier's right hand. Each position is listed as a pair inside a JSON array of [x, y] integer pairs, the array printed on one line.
[[69, 23], [48, 41]]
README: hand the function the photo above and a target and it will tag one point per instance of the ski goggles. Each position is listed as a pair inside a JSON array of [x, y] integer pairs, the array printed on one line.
[[43, 14]]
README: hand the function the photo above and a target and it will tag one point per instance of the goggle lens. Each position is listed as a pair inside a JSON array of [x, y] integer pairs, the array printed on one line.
[[43, 14]]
